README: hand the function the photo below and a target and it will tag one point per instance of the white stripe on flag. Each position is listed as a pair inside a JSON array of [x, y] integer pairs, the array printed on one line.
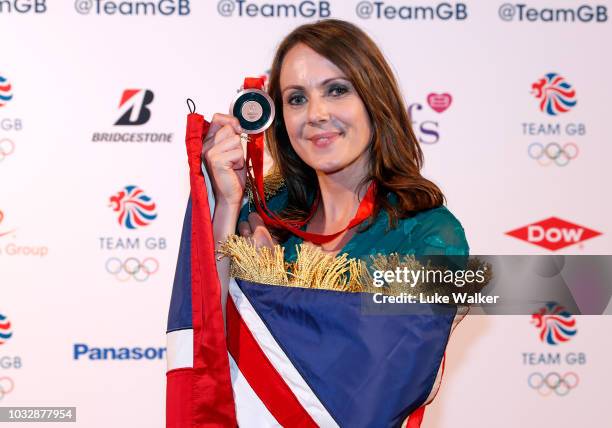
[[179, 346], [209, 190], [279, 360], [211, 194], [250, 410]]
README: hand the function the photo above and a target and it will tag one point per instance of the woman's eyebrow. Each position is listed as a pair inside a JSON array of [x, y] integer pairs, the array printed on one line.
[[323, 83]]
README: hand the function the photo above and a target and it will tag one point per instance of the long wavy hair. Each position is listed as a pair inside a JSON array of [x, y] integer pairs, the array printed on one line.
[[395, 155]]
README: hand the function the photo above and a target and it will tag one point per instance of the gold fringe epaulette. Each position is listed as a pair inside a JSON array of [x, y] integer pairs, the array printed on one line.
[[315, 269], [312, 268]]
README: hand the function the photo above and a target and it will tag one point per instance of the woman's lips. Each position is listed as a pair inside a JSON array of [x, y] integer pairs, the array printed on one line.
[[324, 139]]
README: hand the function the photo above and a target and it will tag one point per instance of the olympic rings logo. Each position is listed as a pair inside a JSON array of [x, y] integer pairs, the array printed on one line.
[[7, 147], [6, 386], [553, 381], [131, 267], [553, 153]]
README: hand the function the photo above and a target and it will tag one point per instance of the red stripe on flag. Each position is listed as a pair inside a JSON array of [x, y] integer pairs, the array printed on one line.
[[267, 383], [213, 398], [179, 398], [415, 418]]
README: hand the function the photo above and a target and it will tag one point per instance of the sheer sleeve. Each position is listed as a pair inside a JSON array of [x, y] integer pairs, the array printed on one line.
[[438, 232]]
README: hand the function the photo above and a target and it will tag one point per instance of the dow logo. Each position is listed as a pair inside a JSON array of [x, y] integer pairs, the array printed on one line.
[[555, 94], [133, 107], [553, 233]]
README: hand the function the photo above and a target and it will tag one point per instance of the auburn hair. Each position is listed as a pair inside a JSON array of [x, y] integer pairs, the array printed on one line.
[[395, 155]]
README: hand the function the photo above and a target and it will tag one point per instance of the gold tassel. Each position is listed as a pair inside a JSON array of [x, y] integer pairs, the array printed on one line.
[[250, 263], [312, 268], [315, 269]]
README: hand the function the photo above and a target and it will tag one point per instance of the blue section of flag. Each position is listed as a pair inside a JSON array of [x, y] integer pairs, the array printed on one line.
[[367, 370], [179, 316]]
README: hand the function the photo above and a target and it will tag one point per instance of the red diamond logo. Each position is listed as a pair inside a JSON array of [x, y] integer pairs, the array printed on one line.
[[553, 233]]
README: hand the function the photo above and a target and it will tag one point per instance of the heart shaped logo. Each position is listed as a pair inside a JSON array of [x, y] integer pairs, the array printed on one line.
[[439, 102]]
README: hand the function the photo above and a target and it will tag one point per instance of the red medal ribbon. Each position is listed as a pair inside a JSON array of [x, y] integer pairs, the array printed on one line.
[[255, 156]]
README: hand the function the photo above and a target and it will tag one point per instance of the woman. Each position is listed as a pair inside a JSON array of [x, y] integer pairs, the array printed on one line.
[[341, 134], [341, 124]]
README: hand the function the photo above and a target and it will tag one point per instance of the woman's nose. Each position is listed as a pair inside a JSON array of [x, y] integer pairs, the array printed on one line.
[[317, 110]]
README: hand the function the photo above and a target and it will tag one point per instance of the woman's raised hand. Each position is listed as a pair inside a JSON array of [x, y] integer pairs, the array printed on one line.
[[256, 229], [224, 157]]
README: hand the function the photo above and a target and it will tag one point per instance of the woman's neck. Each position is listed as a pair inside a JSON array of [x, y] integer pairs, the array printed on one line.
[[340, 196]]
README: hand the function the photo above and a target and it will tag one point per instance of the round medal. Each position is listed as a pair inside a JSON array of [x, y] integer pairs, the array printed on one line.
[[254, 110]]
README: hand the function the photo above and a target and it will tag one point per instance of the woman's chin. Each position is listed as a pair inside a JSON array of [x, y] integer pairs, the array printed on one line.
[[329, 167]]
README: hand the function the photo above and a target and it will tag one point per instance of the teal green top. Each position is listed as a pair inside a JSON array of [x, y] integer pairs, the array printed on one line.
[[432, 232]]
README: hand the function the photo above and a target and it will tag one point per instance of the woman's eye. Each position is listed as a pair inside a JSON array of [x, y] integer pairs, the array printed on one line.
[[337, 90], [296, 99]]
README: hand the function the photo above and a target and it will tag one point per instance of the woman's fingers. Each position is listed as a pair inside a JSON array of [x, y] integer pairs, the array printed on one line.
[[223, 147], [226, 154], [234, 158], [223, 156], [244, 229], [260, 232], [220, 120], [225, 138], [222, 126]]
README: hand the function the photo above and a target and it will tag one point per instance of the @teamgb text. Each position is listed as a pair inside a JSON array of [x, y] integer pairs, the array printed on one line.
[[132, 267], [546, 384], [7, 147], [553, 153], [6, 386]]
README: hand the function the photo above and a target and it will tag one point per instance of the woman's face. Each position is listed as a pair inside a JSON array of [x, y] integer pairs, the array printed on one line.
[[326, 120]]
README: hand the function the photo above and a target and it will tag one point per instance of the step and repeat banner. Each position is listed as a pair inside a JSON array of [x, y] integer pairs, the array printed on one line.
[[509, 100]]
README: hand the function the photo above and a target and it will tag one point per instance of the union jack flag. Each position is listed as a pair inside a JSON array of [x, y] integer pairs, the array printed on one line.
[[292, 357]]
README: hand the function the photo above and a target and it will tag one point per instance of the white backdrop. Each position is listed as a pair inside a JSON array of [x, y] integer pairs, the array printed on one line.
[[68, 64]]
